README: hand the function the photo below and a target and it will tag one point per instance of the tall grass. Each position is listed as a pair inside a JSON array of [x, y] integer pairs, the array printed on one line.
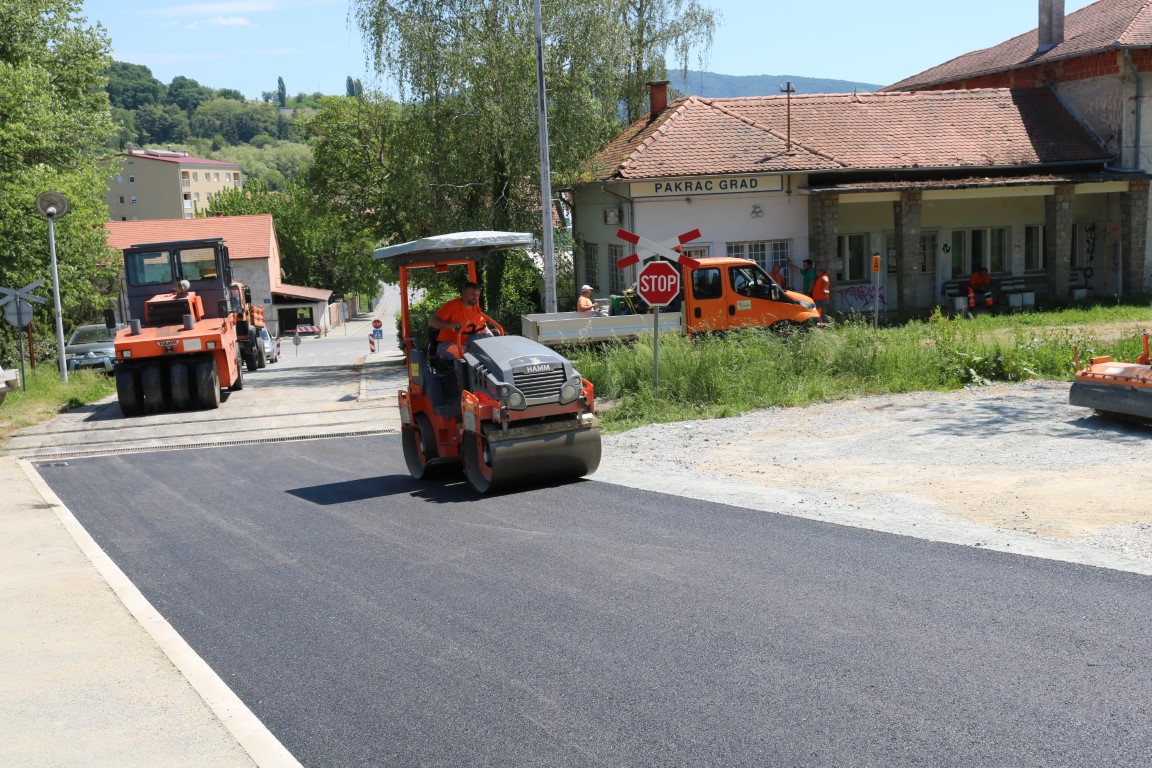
[[47, 396], [717, 376]]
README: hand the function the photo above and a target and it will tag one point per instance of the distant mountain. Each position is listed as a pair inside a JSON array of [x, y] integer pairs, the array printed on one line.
[[712, 85]]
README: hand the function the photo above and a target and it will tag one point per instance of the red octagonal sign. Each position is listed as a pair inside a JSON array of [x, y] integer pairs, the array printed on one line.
[[658, 283]]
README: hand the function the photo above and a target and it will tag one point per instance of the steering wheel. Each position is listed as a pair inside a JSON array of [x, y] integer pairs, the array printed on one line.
[[477, 324]]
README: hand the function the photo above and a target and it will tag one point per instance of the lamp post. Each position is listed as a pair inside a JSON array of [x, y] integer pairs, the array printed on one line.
[[545, 169], [53, 205]]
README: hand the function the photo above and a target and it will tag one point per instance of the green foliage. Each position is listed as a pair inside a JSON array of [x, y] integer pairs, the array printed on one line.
[[47, 396], [318, 246], [717, 376], [54, 118], [132, 86]]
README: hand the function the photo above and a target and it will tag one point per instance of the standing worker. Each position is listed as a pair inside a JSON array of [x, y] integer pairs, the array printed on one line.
[[585, 303], [777, 275], [821, 294], [980, 283], [807, 275]]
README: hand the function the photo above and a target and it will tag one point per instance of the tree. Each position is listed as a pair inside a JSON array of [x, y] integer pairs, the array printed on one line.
[[281, 93], [318, 247], [131, 86], [54, 119], [230, 93], [156, 124], [465, 70], [187, 94]]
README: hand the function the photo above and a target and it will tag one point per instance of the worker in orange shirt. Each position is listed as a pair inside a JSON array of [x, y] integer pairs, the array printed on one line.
[[822, 294], [980, 284], [454, 315], [777, 275]]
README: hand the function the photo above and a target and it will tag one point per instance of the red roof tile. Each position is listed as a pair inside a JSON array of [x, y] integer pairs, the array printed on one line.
[[166, 156], [987, 128], [1102, 26], [247, 237]]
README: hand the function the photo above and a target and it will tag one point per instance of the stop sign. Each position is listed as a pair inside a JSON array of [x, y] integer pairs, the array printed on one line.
[[377, 324], [658, 283]]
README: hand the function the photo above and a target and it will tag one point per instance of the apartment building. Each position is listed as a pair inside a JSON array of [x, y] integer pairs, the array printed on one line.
[[164, 184]]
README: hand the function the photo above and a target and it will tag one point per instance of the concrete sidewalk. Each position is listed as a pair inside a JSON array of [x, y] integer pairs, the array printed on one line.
[[90, 674]]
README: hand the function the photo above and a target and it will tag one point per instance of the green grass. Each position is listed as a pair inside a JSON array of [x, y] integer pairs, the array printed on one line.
[[48, 396], [714, 377]]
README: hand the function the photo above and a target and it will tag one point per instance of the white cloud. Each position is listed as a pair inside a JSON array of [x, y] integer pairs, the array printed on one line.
[[218, 10]]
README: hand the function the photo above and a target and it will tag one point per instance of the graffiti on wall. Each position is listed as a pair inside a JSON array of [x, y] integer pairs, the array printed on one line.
[[859, 298]]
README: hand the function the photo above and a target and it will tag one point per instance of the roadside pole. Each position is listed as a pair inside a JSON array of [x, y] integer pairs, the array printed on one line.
[[876, 292]]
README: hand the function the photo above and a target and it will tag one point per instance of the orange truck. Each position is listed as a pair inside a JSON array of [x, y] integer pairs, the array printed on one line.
[[191, 328], [718, 294]]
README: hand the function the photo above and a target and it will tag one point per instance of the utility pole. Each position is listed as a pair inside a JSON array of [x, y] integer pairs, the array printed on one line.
[[788, 90]]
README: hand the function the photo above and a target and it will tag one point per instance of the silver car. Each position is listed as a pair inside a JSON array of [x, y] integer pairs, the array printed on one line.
[[269, 345], [91, 347]]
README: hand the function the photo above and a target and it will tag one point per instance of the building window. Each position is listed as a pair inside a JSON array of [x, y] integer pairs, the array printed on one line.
[[756, 251], [131, 179], [852, 253], [121, 199], [189, 216], [1084, 246], [132, 200], [1033, 247], [615, 253], [216, 177], [972, 248], [591, 263], [695, 251], [196, 196], [119, 178], [195, 176]]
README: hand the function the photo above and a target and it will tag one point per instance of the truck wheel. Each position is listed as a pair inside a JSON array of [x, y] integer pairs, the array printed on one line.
[[152, 387], [238, 384], [261, 360], [180, 386], [128, 391], [207, 384]]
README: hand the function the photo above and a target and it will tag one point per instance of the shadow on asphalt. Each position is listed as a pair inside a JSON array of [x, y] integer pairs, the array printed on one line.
[[447, 489]]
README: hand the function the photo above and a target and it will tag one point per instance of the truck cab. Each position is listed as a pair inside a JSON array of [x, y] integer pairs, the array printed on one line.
[[726, 293]]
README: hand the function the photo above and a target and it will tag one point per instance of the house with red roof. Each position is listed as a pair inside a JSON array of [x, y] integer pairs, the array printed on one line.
[[934, 181], [255, 255], [166, 184]]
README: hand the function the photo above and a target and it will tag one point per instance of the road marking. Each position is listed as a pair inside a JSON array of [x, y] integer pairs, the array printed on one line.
[[264, 748]]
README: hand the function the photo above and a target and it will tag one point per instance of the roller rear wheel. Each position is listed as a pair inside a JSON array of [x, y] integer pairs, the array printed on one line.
[[180, 386], [152, 387], [420, 451], [207, 384], [128, 391]]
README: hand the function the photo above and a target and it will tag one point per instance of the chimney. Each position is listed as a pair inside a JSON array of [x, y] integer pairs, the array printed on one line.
[[1051, 29], [657, 97]]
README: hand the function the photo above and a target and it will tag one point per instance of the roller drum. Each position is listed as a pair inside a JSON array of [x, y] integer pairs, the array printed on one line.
[[492, 464], [1112, 398]]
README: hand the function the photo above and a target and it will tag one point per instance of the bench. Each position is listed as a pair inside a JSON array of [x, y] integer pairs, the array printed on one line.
[[1014, 290]]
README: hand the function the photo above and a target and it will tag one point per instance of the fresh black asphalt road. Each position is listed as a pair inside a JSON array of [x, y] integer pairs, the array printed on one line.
[[372, 620]]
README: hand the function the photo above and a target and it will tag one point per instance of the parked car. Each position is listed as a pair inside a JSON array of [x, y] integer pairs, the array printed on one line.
[[91, 347], [269, 346]]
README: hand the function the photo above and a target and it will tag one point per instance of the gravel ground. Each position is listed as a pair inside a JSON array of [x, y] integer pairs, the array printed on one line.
[[1007, 467]]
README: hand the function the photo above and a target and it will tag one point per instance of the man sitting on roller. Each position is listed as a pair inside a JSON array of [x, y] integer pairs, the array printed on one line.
[[454, 315]]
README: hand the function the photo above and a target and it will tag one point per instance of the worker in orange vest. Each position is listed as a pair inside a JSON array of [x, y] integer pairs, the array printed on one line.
[[778, 276], [822, 294], [980, 283]]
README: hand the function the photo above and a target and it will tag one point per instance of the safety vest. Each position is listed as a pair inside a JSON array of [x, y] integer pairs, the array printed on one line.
[[822, 288]]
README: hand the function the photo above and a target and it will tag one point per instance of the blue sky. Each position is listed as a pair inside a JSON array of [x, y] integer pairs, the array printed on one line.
[[247, 44]]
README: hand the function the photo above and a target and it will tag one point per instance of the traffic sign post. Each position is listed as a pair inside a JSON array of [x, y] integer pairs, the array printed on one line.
[[657, 284], [18, 311], [876, 292]]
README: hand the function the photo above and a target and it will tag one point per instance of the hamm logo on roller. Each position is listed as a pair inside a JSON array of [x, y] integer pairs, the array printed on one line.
[[542, 368], [168, 342]]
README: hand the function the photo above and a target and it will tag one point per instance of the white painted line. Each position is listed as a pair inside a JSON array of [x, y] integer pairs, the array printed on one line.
[[264, 748]]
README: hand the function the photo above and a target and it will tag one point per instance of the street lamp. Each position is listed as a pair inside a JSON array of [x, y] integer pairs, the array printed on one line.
[[53, 205]]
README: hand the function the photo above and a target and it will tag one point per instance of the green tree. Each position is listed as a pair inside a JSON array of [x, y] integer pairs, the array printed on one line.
[[131, 86], [54, 120], [281, 93], [187, 94], [230, 93], [318, 246], [157, 124], [465, 70]]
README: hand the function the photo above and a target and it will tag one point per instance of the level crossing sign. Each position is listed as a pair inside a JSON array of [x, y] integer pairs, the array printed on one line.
[[668, 249]]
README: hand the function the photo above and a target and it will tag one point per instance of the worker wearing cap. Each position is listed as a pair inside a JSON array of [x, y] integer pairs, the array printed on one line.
[[585, 303]]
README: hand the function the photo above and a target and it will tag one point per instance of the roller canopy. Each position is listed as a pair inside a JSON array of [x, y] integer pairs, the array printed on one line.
[[458, 245]]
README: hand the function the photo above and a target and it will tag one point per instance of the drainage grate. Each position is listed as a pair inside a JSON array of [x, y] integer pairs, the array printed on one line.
[[97, 452]]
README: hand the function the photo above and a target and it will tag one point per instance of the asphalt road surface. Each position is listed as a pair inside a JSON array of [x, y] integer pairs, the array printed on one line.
[[369, 620]]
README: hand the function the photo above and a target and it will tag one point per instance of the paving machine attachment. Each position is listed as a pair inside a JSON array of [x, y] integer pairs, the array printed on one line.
[[509, 410], [1115, 387]]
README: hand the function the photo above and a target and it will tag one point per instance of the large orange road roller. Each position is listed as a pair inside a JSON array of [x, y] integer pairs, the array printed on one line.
[[1115, 387], [507, 410]]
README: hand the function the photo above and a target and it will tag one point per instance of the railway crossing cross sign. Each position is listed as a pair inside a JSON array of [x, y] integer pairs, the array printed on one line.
[[658, 283], [668, 249], [15, 303]]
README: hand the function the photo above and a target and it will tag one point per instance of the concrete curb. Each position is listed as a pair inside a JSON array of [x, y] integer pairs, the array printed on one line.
[[264, 748]]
